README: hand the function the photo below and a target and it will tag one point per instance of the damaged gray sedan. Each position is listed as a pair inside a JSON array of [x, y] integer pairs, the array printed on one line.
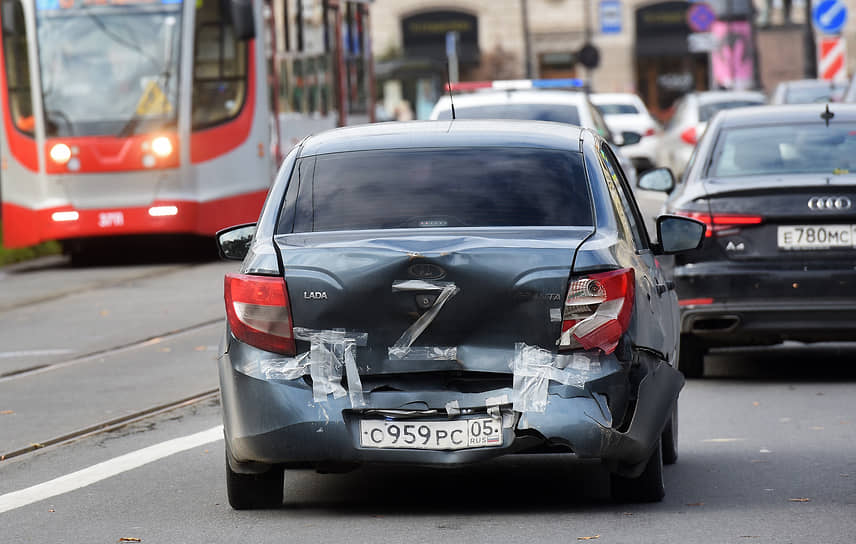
[[444, 293]]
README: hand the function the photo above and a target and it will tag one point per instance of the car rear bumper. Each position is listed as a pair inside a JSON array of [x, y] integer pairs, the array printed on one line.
[[733, 304], [277, 422]]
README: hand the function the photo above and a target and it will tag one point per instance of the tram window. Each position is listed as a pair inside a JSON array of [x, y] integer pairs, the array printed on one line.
[[17, 61], [219, 68]]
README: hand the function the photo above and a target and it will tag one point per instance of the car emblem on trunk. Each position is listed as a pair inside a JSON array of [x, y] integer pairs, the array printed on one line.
[[829, 203], [426, 271]]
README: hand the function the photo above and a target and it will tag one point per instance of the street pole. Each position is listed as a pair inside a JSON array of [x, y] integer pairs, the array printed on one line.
[[452, 56], [587, 33], [527, 40], [810, 71]]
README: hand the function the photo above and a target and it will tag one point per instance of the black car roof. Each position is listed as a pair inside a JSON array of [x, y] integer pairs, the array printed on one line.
[[445, 134], [786, 114]]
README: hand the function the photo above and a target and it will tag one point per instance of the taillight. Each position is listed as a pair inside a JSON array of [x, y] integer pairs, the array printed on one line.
[[690, 136], [597, 310], [650, 132], [695, 301], [723, 224], [258, 312]]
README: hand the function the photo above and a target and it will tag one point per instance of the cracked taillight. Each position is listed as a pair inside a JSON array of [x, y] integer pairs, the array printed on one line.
[[597, 310], [258, 312]]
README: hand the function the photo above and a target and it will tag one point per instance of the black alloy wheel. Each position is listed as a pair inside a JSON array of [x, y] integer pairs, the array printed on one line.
[[691, 357]]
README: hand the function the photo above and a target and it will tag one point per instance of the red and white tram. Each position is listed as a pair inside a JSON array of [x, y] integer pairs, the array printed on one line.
[[129, 117]]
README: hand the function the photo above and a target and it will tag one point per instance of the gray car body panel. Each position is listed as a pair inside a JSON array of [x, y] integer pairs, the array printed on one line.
[[511, 283]]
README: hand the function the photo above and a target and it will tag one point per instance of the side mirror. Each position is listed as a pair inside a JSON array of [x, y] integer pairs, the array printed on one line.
[[240, 14], [631, 138], [234, 242], [658, 179], [677, 234]]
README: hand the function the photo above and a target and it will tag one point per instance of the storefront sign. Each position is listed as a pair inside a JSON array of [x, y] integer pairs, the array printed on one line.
[[424, 35]]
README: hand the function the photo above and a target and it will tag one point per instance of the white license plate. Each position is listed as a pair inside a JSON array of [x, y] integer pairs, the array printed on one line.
[[817, 236], [431, 435]]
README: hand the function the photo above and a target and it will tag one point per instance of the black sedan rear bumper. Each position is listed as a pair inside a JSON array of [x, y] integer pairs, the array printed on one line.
[[739, 304]]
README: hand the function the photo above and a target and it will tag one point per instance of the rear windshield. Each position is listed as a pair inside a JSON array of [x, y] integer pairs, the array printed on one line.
[[559, 113], [785, 149], [808, 95], [616, 109], [706, 111], [424, 188]]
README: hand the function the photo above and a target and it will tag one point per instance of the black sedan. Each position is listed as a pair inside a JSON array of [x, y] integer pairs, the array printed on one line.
[[444, 293], [776, 187]]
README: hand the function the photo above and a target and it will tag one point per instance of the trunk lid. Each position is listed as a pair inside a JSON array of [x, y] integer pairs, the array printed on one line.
[[496, 287], [803, 219]]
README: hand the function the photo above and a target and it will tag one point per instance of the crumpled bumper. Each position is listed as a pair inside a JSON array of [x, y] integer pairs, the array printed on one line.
[[276, 421]]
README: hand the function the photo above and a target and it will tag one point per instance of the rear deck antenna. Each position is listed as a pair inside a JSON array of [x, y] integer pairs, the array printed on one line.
[[827, 115], [449, 86]]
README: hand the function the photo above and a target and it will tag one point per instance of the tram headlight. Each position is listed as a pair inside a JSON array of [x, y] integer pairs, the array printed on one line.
[[162, 147], [60, 153]]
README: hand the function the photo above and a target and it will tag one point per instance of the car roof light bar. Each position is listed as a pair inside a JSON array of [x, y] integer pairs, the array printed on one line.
[[518, 84]]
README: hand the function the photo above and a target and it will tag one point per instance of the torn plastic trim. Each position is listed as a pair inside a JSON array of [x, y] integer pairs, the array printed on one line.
[[423, 353], [535, 367], [497, 408]]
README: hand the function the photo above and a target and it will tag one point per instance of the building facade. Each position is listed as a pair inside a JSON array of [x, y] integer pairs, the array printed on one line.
[[644, 46]]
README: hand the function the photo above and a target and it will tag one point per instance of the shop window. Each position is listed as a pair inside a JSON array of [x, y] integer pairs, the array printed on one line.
[[219, 68], [17, 61]]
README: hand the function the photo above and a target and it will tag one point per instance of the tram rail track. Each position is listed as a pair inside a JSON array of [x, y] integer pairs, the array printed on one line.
[[86, 287], [116, 350], [112, 424]]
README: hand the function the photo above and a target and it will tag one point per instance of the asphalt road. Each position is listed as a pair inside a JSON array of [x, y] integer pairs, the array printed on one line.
[[767, 439]]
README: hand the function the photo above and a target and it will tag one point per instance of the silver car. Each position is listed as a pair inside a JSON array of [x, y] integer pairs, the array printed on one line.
[[692, 112]]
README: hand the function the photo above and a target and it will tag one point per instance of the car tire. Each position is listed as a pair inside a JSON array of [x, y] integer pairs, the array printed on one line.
[[648, 487], [691, 357], [255, 491], [670, 438]]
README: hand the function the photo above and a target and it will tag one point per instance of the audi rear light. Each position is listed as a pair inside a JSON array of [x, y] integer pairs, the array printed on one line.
[[597, 310], [695, 301], [690, 136], [723, 224], [257, 309]]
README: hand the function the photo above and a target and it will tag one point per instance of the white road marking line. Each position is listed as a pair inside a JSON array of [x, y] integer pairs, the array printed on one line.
[[34, 353], [107, 469]]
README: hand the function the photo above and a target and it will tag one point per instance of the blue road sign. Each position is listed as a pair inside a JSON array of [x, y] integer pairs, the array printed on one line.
[[700, 17], [829, 16], [610, 17]]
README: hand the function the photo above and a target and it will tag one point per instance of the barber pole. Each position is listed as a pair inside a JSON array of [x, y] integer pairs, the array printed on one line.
[[831, 62]]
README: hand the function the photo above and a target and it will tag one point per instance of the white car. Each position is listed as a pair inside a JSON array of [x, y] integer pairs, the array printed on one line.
[[808, 91], [626, 114], [692, 112], [523, 99]]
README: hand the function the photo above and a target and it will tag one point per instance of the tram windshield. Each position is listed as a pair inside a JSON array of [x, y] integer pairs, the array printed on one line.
[[109, 67]]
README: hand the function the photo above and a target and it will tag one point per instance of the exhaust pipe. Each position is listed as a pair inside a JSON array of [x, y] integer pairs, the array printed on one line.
[[722, 323]]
